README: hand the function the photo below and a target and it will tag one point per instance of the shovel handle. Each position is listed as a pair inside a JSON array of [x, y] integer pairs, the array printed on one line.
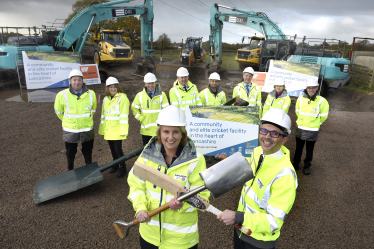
[[119, 231], [154, 212]]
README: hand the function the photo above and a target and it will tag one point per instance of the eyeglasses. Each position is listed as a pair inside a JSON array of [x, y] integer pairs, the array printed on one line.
[[273, 134]]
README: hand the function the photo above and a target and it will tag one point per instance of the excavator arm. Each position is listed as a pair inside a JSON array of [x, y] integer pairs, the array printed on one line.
[[255, 20], [95, 13]]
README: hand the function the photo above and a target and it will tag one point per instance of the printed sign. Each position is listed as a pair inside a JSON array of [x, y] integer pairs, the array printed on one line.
[[123, 12], [295, 75], [235, 19], [223, 129], [259, 78], [51, 69]]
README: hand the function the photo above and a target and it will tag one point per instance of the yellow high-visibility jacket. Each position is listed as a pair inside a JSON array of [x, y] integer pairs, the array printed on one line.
[[208, 98], [171, 228], [282, 102], [269, 196], [311, 113], [179, 97], [146, 110], [76, 114], [114, 123], [254, 96]]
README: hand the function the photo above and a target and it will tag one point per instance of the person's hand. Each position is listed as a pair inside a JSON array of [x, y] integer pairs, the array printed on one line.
[[142, 216], [221, 157], [227, 217], [175, 204], [238, 101]]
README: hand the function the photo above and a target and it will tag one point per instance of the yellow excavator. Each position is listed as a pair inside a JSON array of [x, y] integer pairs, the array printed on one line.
[[248, 56], [193, 52], [112, 47]]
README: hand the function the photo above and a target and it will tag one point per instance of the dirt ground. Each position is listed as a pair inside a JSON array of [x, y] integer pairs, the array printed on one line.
[[333, 207]]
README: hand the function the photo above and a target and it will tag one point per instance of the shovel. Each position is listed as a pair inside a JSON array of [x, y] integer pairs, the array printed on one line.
[[73, 180]]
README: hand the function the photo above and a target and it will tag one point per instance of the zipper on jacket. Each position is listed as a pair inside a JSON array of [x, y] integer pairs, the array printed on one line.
[[162, 191], [272, 102], [148, 103]]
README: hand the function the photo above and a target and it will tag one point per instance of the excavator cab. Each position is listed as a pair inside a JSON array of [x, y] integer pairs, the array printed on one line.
[[275, 50], [193, 52]]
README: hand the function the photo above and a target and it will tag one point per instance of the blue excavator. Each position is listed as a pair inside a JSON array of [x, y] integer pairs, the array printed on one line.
[[74, 34], [276, 46]]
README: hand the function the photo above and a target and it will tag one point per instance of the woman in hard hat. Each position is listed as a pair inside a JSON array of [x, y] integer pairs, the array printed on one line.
[[173, 153], [278, 98], [114, 125], [147, 105]]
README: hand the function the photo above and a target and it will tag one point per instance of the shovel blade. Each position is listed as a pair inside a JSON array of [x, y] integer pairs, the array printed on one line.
[[67, 182]]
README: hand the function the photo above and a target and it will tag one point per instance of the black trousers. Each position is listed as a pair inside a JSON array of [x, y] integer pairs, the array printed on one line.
[[71, 148], [299, 151], [116, 148], [145, 245], [146, 139], [240, 244]]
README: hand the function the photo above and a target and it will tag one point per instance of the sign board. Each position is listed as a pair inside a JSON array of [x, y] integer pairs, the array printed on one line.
[[223, 129], [295, 75], [259, 78], [51, 69]]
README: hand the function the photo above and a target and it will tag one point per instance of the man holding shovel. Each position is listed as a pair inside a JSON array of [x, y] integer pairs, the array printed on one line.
[[269, 196]]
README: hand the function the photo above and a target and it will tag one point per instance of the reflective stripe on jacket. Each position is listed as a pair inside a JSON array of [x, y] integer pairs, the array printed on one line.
[[76, 112], [269, 199], [282, 102], [311, 113], [171, 228], [146, 110], [114, 123], [254, 96], [179, 97], [208, 98]]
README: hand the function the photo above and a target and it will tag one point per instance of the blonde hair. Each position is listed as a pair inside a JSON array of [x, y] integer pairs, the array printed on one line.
[[119, 90], [284, 87], [181, 129]]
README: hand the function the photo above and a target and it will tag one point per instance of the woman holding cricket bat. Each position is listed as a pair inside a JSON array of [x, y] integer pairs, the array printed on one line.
[[173, 153]]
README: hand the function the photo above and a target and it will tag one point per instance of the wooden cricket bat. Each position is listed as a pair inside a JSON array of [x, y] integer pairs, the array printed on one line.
[[176, 188]]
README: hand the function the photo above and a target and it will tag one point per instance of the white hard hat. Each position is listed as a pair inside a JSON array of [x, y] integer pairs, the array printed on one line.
[[249, 70], [75, 72], [182, 72], [149, 78], [312, 82], [214, 76], [279, 118], [280, 82], [171, 116], [111, 81]]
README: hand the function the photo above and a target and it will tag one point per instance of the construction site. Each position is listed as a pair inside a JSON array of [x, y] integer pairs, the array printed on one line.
[[333, 203]]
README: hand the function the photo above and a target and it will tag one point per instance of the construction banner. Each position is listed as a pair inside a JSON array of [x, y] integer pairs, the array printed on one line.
[[223, 129], [51, 69], [295, 75]]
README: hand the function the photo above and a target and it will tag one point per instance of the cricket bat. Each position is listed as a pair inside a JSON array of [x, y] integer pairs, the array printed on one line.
[[176, 188]]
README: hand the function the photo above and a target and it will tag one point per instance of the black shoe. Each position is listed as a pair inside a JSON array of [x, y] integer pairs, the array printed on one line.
[[113, 169], [306, 171], [70, 162], [87, 158], [295, 166], [122, 171]]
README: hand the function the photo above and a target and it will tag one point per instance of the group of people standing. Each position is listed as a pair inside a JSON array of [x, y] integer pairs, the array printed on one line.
[[265, 200]]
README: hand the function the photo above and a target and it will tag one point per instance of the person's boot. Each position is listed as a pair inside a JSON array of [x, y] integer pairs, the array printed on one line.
[[70, 160], [113, 169], [306, 171], [87, 158], [122, 170]]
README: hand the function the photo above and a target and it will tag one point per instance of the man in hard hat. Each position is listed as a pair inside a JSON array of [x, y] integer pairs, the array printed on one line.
[[183, 92], [213, 94], [266, 199], [147, 105], [247, 90], [75, 107], [311, 110]]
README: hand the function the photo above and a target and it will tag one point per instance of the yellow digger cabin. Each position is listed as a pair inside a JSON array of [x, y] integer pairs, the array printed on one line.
[[112, 47], [248, 56], [192, 52]]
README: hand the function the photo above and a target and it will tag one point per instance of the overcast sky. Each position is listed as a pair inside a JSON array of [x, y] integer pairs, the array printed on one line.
[[338, 19]]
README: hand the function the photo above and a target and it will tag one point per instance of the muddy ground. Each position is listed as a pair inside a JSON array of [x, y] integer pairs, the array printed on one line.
[[333, 207]]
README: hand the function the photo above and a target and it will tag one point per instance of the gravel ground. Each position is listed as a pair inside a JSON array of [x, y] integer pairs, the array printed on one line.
[[332, 208]]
